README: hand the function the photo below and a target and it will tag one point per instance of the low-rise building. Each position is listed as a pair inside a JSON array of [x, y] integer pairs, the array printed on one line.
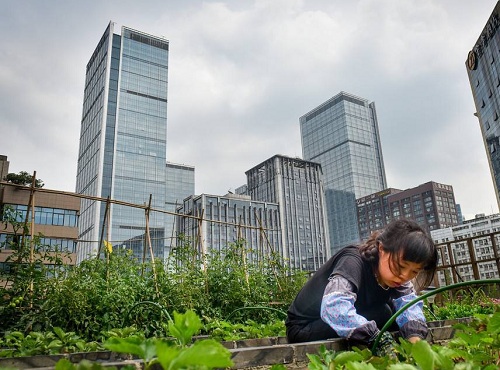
[[469, 251], [55, 220]]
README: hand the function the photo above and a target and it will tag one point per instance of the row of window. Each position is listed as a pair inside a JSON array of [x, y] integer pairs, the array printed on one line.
[[46, 216]]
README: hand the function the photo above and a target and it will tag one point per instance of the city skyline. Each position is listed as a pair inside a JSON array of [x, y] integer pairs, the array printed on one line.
[[242, 75]]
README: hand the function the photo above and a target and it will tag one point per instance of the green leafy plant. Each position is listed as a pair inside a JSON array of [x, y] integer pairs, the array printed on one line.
[[224, 330], [16, 344], [178, 353]]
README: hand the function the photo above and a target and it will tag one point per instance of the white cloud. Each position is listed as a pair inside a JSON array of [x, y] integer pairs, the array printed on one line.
[[242, 73]]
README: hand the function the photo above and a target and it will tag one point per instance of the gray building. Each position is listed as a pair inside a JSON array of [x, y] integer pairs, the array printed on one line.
[[212, 222], [296, 186], [180, 185], [483, 69], [431, 205], [342, 135], [123, 140]]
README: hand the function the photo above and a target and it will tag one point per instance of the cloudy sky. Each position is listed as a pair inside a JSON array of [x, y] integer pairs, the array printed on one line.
[[242, 72]]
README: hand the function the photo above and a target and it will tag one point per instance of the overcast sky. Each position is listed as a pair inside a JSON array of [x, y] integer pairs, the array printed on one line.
[[241, 73]]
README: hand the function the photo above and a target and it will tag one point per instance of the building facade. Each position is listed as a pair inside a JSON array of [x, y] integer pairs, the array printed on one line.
[[469, 251], [180, 185], [4, 167], [123, 141], [431, 205], [296, 186], [212, 222], [55, 218], [342, 135], [483, 69]]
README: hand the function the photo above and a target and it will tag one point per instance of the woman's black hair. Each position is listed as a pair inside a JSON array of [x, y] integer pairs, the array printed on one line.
[[406, 240]]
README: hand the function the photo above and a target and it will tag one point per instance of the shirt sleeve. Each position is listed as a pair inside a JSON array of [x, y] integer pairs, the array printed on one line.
[[411, 322], [338, 311]]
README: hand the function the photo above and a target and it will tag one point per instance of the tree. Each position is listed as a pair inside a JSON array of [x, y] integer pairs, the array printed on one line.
[[23, 178]]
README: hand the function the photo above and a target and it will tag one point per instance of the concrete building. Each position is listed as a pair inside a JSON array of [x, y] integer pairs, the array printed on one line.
[[431, 205], [180, 185], [55, 217], [473, 248], [4, 167], [212, 222], [483, 69], [123, 140], [296, 186], [342, 135]]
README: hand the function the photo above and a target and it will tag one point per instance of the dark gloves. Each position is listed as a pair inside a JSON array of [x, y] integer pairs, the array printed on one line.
[[385, 347]]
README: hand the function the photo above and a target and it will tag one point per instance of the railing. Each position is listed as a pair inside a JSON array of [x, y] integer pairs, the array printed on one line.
[[466, 259]]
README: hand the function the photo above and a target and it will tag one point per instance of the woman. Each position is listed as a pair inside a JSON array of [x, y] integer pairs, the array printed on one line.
[[357, 290]]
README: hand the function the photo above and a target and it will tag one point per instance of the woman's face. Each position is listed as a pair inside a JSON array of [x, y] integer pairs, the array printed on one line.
[[394, 276]]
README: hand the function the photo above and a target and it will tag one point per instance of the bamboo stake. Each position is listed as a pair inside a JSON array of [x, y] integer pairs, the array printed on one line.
[[105, 220], [32, 230], [270, 247], [148, 236], [243, 253]]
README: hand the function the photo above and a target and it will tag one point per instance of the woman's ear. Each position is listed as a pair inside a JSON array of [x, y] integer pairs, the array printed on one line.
[[380, 247]]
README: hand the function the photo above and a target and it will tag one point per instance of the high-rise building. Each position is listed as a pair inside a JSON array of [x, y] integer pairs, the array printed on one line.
[[483, 69], [342, 135], [123, 141], [212, 222], [296, 186], [180, 185], [431, 205]]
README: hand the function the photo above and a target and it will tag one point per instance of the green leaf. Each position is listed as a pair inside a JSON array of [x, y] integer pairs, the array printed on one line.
[[359, 366], [278, 367], [347, 356], [423, 355], [209, 353], [184, 326], [59, 332], [144, 348], [64, 364], [315, 362], [166, 353], [401, 367], [494, 323]]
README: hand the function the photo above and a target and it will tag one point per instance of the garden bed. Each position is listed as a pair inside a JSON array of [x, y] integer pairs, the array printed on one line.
[[249, 353]]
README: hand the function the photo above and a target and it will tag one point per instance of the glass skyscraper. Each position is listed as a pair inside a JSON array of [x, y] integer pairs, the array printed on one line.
[[180, 185], [123, 141], [483, 69], [342, 135]]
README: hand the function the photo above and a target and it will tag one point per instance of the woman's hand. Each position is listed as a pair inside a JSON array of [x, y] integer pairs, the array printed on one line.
[[414, 339]]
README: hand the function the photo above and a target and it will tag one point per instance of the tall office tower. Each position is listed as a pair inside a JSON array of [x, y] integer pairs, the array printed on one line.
[[342, 135], [180, 185], [483, 69], [296, 185], [431, 205], [123, 141]]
